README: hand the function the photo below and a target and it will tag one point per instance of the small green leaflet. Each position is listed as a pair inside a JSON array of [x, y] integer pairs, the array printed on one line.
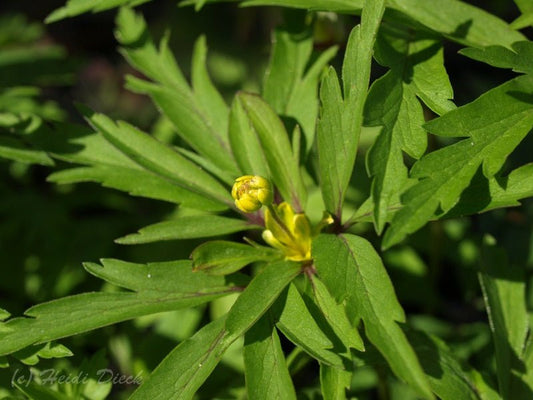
[[187, 227], [341, 117], [369, 297], [495, 123], [156, 287]]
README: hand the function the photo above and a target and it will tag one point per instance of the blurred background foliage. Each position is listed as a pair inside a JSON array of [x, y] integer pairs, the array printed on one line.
[[47, 231]]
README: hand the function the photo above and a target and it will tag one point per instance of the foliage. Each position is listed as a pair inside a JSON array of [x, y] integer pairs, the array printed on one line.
[[310, 308]]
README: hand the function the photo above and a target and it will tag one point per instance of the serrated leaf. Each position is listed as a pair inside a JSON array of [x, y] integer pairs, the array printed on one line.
[[459, 21], [456, 20], [504, 293], [416, 69], [370, 296], [518, 58], [283, 165], [334, 382], [394, 106], [341, 117], [222, 257], [299, 325], [495, 123], [159, 158], [137, 183], [159, 287], [266, 371], [497, 192], [198, 113], [259, 295], [187, 227], [335, 314]]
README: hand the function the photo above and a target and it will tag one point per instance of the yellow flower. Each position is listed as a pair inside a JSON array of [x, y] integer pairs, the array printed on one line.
[[251, 193], [288, 231]]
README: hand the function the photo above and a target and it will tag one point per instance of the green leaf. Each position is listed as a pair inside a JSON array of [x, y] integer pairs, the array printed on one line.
[[137, 183], [266, 371], [523, 21], [259, 295], [4, 314], [327, 5], [205, 92], [186, 367], [334, 382], [300, 326], [447, 378], [495, 123], [222, 257], [369, 296], [31, 355], [393, 105], [459, 21], [287, 86], [416, 69], [525, 6], [35, 391], [335, 314], [159, 158], [504, 292], [277, 148], [77, 7], [245, 144], [341, 118], [497, 192], [456, 20], [158, 287], [15, 149], [199, 114], [518, 58], [187, 227]]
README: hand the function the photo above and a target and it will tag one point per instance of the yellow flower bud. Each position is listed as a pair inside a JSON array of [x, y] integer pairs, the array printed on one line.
[[251, 193]]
